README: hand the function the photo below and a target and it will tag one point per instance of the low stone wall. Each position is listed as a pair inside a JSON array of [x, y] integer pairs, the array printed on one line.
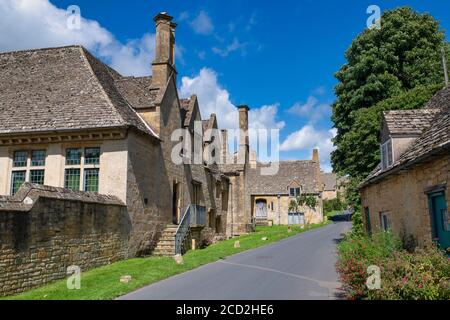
[[43, 230]]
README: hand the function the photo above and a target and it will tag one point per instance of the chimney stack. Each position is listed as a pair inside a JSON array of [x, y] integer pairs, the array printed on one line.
[[164, 64], [244, 142], [315, 156], [224, 147]]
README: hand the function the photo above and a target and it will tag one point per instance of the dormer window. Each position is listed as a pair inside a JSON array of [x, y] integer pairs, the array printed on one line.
[[387, 158], [294, 192]]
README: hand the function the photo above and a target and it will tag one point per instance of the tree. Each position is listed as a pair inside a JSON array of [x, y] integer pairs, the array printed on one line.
[[395, 67]]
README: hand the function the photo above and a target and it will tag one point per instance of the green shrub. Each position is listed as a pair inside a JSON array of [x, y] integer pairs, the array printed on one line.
[[424, 274], [335, 204]]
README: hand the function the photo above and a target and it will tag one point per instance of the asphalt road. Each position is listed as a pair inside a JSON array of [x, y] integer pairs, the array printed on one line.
[[297, 268]]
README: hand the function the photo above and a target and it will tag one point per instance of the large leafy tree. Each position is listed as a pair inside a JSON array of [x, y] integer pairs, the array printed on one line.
[[395, 67]]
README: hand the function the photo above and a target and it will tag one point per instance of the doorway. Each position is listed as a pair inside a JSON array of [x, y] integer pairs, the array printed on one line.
[[176, 203], [261, 209], [440, 218]]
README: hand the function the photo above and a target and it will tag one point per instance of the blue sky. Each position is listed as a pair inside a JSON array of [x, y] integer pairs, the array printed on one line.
[[277, 57]]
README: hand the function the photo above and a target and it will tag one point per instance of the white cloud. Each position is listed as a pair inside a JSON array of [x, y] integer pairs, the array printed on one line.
[[235, 45], [213, 98], [38, 23], [265, 118], [308, 138], [202, 24], [312, 109], [183, 16], [320, 91]]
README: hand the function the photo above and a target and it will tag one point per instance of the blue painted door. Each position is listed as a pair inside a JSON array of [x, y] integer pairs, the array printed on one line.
[[441, 220]]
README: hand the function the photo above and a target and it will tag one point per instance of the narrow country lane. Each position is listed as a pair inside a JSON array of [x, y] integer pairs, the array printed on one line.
[[301, 267]]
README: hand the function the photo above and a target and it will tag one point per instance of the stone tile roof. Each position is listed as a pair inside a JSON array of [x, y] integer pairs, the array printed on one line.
[[60, 89], [305, 172], [138, 91], [406, 122], [329, 181], [187, 109], [434, 139], [440, 101], [30, 193]]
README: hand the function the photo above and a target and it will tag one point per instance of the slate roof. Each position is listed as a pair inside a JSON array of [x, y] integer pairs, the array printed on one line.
[[65, 88], [433, 140], [304, 172], [407, 122]]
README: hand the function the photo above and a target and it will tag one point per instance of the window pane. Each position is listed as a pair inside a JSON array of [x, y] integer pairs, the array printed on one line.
[[91, 180], [72, 179], [37, 176], [389, 153], [446, 219], [37, 158], [17, 179], [20, 159], [383, 157], [297, 192], [92, 156], [291, 192], [73, 156]]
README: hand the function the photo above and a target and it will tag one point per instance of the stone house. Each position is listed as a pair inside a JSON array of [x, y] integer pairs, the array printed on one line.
[[407, 193], [332, 185], [271, 195], [68, 120]]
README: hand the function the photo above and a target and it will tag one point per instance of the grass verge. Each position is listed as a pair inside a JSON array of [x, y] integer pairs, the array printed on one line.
[[103, 283]]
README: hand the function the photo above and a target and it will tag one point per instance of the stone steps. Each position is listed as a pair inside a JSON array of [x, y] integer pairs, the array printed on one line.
[[166, 244]]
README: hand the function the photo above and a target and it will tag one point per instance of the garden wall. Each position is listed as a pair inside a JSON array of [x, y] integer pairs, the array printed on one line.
[[43, 230]]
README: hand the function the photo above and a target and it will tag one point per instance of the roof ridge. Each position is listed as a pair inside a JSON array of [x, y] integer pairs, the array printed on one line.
[[43, 49], [120, 95]]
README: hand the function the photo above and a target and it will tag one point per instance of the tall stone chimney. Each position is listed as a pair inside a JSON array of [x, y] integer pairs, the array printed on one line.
[[315, 156], [244, 142], [164, 64], [224, 146]]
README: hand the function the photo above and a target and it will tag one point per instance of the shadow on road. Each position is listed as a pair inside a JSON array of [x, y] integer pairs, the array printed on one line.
[[341, 217]]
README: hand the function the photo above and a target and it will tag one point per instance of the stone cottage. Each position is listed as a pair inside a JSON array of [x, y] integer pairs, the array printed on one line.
[[408, 192], [332, 185], [271, 195]]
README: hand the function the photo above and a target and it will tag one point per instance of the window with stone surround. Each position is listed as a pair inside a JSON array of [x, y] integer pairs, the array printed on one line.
[[28, 166], [82, 169]]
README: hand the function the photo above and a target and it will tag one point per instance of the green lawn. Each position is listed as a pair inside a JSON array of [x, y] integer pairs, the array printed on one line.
[[103, 283]]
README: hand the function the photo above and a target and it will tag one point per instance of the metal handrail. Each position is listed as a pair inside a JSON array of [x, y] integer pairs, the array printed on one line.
[[182, 230], [194, 215]]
